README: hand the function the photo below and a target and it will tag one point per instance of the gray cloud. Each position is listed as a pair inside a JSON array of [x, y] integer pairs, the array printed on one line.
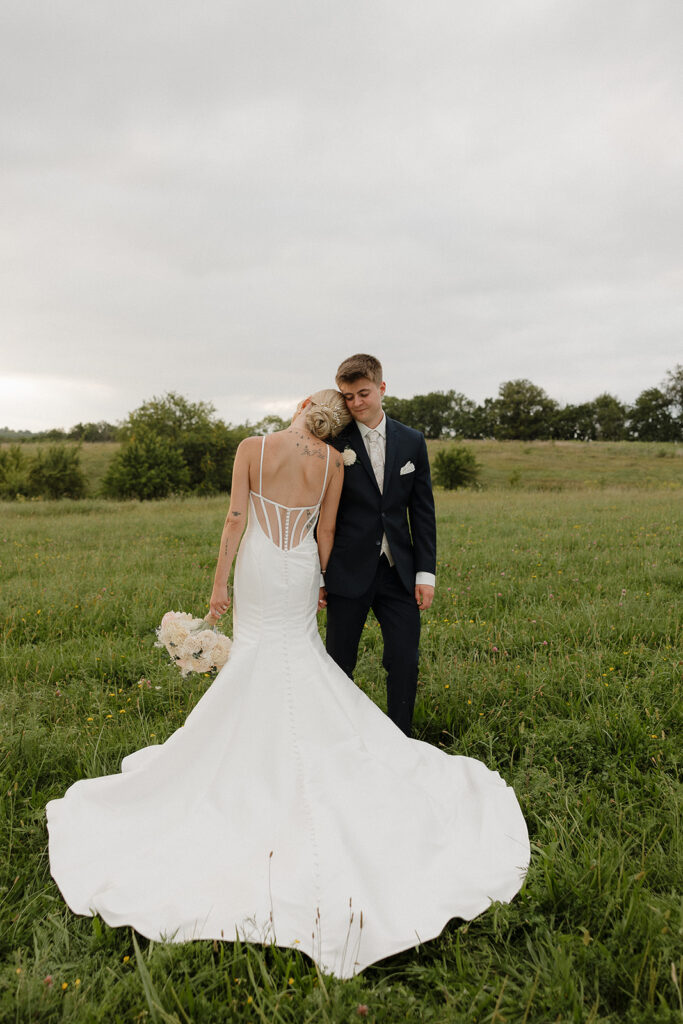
[[228, 198]]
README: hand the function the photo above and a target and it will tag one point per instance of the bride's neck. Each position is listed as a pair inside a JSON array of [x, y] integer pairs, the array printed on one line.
[[299, 425]]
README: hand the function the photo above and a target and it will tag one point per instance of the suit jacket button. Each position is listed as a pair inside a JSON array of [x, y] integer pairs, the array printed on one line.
[[378, 542]]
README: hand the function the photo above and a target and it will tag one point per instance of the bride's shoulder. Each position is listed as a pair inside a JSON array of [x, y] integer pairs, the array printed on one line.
[[249, 448], [248, 444]]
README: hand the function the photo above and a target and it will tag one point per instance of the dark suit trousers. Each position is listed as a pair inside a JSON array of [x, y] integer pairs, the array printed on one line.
[[399, 619]]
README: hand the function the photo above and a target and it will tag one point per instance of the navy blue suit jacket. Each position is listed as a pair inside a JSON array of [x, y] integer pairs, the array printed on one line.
[[405, 512]]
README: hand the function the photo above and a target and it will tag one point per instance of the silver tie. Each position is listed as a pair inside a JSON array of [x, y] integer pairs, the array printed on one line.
[[376, 457]]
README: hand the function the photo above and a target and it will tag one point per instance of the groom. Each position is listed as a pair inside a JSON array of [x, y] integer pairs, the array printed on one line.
[[384, 554]]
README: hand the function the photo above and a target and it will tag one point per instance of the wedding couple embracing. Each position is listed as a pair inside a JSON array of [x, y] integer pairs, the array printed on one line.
[[289, 809]]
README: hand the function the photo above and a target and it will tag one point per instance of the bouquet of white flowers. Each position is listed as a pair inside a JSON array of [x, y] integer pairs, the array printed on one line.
[[193, 644]]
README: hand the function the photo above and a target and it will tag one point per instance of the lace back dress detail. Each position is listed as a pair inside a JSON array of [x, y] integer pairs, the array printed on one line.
[[285, 525]]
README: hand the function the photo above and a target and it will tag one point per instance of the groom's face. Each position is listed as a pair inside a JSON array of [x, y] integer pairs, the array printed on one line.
[[364, 400]]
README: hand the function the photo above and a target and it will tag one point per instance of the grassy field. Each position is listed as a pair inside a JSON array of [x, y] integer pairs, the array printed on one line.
[[520, 465], [552, 653], [572, 465]]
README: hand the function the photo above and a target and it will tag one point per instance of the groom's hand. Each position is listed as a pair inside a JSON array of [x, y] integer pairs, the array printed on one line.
[[322, 599], [424, 595]]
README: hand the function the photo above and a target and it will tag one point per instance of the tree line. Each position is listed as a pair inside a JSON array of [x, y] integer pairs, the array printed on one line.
[[170, 445], [522, 411]]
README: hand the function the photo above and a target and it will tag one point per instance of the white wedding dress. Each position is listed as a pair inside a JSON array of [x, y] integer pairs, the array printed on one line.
[[288, 808]]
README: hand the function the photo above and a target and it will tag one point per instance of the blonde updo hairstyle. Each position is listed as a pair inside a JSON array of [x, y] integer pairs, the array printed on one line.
[[327, 414]]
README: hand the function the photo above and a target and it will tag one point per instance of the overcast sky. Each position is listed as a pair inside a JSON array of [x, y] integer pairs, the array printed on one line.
[[227, 198]]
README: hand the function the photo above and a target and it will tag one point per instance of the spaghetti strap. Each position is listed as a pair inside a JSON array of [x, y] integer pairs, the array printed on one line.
[[327, 466], [264, 510]]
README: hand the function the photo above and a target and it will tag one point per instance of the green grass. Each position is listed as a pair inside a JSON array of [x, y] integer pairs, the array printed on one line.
[[571, 465], [552, 653], [518, 465]]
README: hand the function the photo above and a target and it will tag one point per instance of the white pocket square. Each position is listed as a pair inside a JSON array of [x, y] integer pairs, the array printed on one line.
[[408, 468]]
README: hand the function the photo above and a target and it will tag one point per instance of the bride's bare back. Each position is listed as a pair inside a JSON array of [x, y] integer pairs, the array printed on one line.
[[293, 469], [288, 482], [289, 486]]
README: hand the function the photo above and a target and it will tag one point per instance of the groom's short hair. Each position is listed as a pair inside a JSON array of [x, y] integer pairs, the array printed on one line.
[[355, 367]]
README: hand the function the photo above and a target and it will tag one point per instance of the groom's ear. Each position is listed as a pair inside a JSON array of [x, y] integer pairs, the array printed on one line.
[[382, 388]]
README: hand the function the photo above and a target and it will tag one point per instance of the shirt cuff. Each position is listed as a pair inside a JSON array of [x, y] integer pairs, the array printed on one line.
[[322, 580], [426, 578]]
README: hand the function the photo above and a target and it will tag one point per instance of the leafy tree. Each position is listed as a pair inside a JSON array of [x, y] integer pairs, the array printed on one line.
[[436, 414], [610, 418], [55, 434], [673, 389], [400, 409], [100, 431], [652, 417], [7, 434], [456, 466], [196, 450], [524, 411], [171, 416], [411, 411], [14, 469], [56, 473], [269, 424], [148, 466], [574, 423], [485, 419], [460, 420], [431, 413]]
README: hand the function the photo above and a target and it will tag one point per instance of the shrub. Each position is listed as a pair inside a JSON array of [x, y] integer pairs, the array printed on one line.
[[56, 473], [455, 467], [14, 469], [148, 466]]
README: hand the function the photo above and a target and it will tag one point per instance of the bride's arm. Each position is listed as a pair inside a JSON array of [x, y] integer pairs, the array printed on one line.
[[233, 529], [328, 516]]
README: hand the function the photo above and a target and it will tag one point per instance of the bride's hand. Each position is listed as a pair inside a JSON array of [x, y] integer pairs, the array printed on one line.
[[322, 599], [220, 602]]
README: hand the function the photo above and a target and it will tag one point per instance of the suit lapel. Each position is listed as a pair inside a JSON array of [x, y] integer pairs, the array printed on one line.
[[358, 444], [390, 453]]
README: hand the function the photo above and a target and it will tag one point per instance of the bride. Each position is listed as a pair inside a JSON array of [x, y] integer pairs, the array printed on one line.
[[288, 809]]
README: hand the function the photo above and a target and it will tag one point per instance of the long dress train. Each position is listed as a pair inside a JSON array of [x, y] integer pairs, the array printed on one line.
[[288, 808]]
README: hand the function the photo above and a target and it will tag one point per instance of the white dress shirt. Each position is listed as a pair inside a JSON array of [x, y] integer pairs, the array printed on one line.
[[424, 578]]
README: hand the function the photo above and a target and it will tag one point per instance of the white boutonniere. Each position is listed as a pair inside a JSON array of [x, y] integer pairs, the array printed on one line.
[[349, 456]]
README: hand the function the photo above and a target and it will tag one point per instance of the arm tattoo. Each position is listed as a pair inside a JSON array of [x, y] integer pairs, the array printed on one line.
[[235, 514]]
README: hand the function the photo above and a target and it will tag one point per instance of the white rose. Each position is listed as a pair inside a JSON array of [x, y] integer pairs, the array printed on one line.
[[349, 456]]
